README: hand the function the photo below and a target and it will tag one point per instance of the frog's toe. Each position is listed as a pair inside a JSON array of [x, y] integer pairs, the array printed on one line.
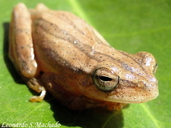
[[38, 98]]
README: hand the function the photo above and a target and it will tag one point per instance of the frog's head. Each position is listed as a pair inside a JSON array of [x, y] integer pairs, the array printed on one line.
[[127, 81]]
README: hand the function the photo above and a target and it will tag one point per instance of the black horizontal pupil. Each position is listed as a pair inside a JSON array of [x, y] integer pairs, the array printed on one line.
[[104, 78]]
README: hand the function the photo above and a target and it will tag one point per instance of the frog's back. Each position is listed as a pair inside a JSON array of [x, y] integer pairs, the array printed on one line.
[[67, 37], [67, 24]]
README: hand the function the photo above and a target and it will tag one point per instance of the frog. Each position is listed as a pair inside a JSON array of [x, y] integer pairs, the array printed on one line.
[[58, 52]]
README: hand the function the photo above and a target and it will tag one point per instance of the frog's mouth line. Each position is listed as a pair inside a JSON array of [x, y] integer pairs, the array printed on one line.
[[128, 95]]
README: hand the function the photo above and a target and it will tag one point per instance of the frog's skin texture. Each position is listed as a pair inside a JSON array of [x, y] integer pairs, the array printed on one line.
[[61, 53]]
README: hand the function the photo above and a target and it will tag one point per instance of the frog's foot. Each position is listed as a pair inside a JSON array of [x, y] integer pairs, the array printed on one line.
[[35, 85], [38, 98]]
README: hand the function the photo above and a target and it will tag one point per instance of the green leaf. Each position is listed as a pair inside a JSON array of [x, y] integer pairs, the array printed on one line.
[[131, 26]]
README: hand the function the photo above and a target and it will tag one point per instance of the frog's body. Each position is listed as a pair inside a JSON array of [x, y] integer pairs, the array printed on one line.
[[57, 51]]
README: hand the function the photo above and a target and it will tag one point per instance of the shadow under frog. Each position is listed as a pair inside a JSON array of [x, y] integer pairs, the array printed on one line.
[[88, 118]]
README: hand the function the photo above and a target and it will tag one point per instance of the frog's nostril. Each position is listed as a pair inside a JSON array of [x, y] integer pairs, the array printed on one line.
[[155, 68], [141, 84]]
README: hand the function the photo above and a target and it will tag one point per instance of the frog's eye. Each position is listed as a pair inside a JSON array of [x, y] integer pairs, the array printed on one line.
[[105, 79]]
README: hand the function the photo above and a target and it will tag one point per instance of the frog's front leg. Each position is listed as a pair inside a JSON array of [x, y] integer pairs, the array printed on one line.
[[21, 51]]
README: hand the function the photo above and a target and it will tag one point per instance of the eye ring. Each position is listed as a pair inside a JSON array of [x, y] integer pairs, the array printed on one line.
[[105, 79]]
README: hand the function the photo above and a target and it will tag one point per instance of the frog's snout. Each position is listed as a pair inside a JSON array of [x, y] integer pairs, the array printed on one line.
[[147, 60]]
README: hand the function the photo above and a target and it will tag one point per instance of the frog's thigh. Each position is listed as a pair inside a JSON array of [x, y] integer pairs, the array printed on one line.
[[21, 50], [41, 7]]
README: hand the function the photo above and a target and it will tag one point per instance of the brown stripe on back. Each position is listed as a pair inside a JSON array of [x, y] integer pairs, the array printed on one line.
[[82, 47]]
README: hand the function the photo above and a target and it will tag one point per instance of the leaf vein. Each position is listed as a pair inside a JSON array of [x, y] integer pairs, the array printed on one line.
[[149, 113]]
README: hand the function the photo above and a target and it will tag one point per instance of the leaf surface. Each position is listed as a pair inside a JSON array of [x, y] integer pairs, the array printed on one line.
[[131, 26]]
